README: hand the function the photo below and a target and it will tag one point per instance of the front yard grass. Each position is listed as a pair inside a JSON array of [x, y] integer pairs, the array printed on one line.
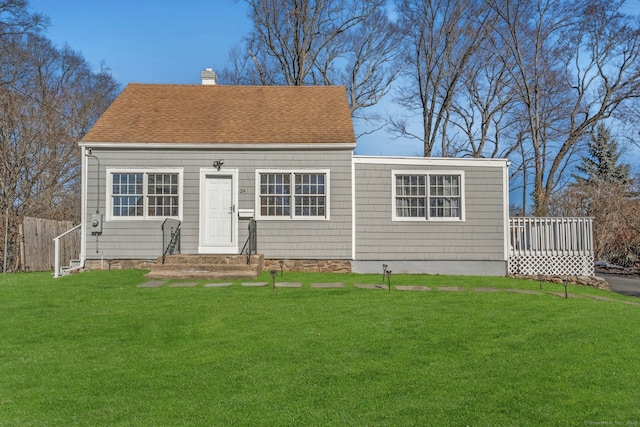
[[95, 349]]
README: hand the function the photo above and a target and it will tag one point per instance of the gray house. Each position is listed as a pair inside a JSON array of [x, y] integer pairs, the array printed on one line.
[[212, 158]]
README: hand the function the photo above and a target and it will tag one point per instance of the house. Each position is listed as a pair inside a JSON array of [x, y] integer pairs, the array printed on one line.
[[215, 157]]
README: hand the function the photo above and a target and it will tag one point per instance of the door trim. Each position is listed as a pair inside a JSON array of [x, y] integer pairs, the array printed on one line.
[[233, 174]]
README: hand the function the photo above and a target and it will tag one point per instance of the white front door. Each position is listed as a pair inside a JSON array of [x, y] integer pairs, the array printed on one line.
[[218, 218]]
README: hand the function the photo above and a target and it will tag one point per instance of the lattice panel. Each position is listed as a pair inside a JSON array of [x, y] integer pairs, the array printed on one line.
[[562, 265]]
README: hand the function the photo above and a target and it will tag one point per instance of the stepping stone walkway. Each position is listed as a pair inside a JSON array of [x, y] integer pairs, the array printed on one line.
[[218, 285], [183, 284], [327, 285], [152, 284], [524, 291], [562, 295], [370, 286], [160, 283], [412, 288], [288, 284]]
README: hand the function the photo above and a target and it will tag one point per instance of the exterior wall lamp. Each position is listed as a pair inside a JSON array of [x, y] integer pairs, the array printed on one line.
[[218, 164]]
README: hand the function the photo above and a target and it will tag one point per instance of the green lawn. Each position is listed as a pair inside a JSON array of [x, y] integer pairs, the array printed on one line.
[[95, 349]]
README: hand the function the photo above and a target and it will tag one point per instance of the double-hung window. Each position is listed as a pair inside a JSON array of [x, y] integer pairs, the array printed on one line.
[[437, 196], [144, 194], [292, 194]]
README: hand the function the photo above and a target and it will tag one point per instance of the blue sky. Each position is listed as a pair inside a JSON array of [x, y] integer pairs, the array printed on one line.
[[165, 41]]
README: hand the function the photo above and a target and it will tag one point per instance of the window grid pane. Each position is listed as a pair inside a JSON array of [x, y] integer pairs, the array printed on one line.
[[310, 195], [445, 196], [411, 191], [163, 194], [127, 194], [275, 199]]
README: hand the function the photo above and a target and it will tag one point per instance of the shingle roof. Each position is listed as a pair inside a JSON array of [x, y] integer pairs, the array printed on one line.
[[149, 113]]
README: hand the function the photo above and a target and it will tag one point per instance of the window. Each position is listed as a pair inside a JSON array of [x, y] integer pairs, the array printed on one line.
[[293, 195], [428, 196], [143, 195]]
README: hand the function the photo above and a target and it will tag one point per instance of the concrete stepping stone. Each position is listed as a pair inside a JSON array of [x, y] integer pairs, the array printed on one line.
[[600, 298], [370, 286], [218, 285], [524, 291], [451, 288], [183, 285], [327, 285], [412, 288], [488, 289], [152, 284], [254, 284], [630, 303], [288, 284], [562, 295]]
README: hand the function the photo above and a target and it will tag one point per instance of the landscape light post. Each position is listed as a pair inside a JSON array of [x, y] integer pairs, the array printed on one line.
[[281, 266], [384, 271], [540, 280], [565, 282], [273, 279], [389, 279]]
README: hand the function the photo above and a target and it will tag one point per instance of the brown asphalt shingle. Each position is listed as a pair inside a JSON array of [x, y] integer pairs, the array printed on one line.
[[194, 114]]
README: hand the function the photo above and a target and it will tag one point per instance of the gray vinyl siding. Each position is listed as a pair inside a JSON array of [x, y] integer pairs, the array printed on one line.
[[480, 237], [299, 239]]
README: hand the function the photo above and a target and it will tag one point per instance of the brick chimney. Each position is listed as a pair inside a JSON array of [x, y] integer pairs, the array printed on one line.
[[208, 76]]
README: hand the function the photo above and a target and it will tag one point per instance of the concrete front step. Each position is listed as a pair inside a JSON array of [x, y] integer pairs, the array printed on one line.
[[200, 274], [207, 267], [183, 259]]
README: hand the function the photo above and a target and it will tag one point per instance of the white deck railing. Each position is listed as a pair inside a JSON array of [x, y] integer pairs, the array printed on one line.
[[555, 246]]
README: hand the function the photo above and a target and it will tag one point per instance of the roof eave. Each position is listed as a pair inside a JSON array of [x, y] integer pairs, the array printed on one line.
[[221, 146]]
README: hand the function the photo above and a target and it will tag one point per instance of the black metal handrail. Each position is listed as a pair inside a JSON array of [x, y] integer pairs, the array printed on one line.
[[251, 245], [170, 237]]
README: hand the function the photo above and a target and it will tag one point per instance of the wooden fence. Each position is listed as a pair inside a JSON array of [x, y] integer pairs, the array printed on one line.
[[551, 246], [38, 235]]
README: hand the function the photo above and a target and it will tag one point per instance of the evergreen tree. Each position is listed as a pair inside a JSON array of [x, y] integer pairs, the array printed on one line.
[[601, 165]]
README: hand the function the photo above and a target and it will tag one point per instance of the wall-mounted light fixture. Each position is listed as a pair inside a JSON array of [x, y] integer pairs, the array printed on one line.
[[218, 164]]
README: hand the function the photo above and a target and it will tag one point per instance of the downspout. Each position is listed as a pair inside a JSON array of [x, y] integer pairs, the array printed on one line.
[[83, 207], [507, 222], [353, 209]]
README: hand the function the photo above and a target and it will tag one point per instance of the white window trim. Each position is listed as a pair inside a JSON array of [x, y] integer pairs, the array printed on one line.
[[145, 172], [293, 217], [428, 174]]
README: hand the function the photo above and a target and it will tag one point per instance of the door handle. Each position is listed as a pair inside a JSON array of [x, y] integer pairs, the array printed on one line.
[[232, 209]]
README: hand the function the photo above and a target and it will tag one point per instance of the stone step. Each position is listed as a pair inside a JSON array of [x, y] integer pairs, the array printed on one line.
[[200, 274], [207, 267], [182, 259]]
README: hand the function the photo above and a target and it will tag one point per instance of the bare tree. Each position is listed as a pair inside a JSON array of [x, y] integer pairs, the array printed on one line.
[[42, 117], [318, 42], [440, 38], [482, 109], [574, 65], [16, 21]]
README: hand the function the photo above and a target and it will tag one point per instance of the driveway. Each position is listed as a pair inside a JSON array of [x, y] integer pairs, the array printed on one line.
[[623, 284]]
